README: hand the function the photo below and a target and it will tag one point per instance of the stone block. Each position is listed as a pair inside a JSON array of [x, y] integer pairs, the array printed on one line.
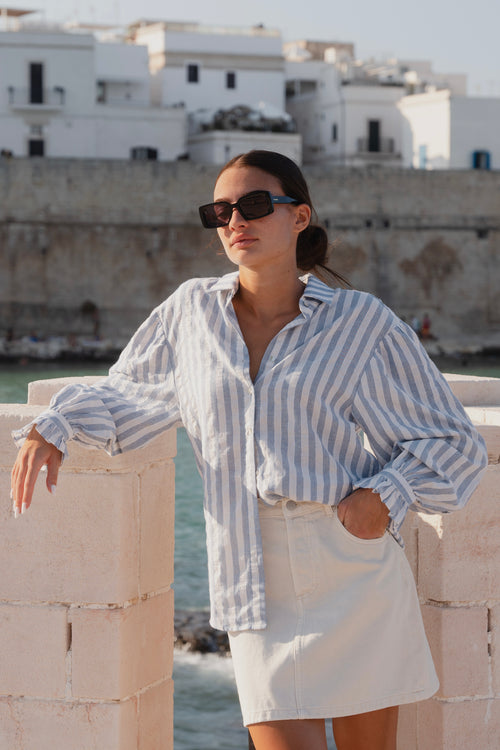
[[81, 458], [157, 516], [458, 637], [117, 652], [472, 390], [491, 435], [156, 717], [33, 649], [407, 727], [61, 725], [409, 532], [41, 391], [457, 550], [13, 417], [462, 725], [80, 545], [495, 647]]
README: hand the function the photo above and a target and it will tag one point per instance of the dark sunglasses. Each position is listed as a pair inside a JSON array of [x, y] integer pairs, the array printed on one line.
[[253, 205]]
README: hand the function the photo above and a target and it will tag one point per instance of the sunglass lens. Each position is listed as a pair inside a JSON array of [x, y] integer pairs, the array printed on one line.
[[222, 214], [215, 214], [256, 205]]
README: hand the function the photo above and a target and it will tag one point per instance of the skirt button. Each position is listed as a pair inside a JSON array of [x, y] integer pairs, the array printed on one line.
[[291, 505]]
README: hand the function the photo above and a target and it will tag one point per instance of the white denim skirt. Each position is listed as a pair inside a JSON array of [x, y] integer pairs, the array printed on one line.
[[344, 633]]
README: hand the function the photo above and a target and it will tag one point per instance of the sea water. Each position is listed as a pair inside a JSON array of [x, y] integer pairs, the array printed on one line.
[[206, 710]]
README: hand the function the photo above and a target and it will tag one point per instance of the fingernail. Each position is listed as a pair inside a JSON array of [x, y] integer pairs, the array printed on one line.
[[16, 512], [11, 494], [23, 507], [53, 489]]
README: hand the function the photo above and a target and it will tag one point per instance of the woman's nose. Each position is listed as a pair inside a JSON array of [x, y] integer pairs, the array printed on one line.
[[237, 219]]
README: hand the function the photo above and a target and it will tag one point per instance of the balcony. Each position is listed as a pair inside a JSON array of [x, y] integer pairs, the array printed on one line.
[[46, 100], [384, 146]]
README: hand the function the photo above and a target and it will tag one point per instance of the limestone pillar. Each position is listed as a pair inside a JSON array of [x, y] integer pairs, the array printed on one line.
[[86, 608], [456, 563]]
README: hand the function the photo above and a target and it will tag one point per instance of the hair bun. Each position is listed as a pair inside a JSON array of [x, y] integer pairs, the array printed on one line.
[[312, 248]]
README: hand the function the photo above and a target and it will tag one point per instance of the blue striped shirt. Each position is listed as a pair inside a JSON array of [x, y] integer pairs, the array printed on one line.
[[344, 367]]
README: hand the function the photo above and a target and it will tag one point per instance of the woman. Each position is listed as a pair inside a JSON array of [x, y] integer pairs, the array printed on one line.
[[275, 377]]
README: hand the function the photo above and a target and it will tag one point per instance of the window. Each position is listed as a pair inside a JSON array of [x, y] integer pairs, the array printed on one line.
[[101, 92], [374, 135], [481, 160], [422, 156], [230, 79], [193, 73], [335, 132], [36, 83], [36, 147], [144, 153]]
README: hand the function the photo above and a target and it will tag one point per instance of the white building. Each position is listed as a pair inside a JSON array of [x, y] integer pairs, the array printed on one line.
[[348, 122], [65, 94], [213, 70], [345, 112], [169, 90], [394, 113], [206, 67], [442, 131]]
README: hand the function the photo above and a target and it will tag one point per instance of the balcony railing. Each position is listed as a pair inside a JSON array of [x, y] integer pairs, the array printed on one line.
[[24, 98], [377, 146]]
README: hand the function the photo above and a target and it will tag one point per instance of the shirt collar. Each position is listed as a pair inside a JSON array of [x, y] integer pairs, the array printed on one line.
[[315, 288], [227, 283]]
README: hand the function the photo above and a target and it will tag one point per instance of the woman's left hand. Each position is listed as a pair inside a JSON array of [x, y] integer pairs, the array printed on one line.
[[364, 514]]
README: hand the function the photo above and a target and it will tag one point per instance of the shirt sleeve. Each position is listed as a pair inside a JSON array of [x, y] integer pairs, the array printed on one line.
[[430, 455], [136, 402]]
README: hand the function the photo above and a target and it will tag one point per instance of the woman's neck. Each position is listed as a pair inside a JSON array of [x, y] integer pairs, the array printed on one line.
[[267, 296]]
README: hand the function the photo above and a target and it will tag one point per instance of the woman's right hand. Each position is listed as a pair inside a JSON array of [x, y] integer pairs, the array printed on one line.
[[35, 453]]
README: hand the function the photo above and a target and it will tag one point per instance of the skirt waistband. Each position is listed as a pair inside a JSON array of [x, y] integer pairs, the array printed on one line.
[[287, 508]]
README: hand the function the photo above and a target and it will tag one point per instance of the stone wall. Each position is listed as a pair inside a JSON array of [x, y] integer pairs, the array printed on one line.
[[123, 235]]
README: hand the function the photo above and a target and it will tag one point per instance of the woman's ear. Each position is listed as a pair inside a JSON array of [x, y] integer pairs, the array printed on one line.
[[302, 216]]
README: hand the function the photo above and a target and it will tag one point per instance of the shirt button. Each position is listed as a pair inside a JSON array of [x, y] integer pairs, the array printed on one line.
[[291, 505]]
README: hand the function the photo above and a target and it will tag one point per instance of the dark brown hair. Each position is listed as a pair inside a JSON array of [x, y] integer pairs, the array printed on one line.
[[312, 242]]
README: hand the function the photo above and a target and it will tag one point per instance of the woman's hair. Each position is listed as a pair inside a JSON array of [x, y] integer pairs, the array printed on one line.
[[312, 242]]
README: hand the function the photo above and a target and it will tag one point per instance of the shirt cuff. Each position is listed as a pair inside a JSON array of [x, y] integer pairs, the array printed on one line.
[[395, 492], [52, 426]]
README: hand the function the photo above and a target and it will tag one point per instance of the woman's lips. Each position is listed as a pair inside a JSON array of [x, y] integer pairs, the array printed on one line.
[[242, 241]]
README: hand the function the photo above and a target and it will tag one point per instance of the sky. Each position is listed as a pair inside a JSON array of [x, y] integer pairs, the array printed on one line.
[[458, 36]]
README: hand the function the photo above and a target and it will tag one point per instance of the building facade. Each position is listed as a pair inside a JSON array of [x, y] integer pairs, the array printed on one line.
[[231, 82], [391, 113], [443, 131], [166, 90], [66, 94]]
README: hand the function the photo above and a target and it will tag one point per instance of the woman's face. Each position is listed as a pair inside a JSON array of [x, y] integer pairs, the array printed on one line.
[[260, 242]]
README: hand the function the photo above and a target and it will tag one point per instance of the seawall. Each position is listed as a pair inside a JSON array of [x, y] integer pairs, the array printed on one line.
[[122, 235]]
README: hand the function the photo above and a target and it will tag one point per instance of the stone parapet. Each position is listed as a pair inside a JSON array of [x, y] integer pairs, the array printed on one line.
[[456, 562]]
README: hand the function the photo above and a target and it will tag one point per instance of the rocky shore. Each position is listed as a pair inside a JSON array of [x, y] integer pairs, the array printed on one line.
[[194, 633], [58, 348], [30, 348]]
